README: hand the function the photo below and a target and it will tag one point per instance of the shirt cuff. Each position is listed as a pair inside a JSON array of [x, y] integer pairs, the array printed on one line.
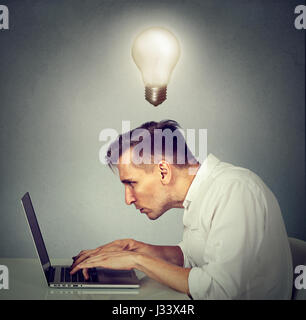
[[199, 283], [186, 262]]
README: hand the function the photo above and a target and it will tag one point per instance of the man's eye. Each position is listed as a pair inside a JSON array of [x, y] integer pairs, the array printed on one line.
[[132, 184]]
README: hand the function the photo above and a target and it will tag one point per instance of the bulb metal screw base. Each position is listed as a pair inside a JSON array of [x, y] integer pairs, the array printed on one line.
[[156, 95]]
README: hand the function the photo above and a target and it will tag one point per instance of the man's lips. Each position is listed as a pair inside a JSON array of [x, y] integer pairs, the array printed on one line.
[[142, 210]]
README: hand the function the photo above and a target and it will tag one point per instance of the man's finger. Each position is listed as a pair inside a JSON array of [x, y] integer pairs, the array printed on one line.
[[79, 260], [84, 256], [78, 268], [75, 269], [85, 273], [79, 255]]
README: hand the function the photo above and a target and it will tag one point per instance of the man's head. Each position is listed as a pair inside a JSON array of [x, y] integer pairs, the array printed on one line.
[[153, 162]]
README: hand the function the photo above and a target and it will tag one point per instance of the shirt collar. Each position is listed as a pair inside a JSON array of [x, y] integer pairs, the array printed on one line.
[[202, 174]]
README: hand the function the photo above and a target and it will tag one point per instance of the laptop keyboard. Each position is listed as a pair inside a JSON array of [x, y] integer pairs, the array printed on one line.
[[78, 276], [65, 275]]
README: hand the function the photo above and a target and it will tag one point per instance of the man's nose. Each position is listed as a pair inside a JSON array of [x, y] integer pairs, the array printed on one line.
[[129, 197]]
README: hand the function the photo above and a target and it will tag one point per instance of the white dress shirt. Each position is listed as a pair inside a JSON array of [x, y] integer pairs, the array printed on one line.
[[234, 236]]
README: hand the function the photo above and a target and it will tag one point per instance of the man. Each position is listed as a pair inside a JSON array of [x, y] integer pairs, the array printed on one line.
[[234, 242]]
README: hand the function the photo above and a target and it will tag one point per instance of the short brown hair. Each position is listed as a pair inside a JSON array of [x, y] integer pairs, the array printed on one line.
[[158, 137]]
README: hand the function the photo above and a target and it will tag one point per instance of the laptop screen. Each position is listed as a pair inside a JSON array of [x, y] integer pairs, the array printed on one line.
[[39, 242]]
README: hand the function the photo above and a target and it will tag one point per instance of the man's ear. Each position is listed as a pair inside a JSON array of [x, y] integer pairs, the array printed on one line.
[[164, 171]]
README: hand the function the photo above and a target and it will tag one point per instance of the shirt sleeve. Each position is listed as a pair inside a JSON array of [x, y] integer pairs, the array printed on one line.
[[237, 230]]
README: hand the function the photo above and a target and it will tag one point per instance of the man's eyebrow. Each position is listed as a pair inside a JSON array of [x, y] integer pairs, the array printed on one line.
[[127, 181]]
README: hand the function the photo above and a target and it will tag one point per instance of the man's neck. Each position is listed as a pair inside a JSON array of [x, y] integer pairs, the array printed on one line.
[[183, 182]]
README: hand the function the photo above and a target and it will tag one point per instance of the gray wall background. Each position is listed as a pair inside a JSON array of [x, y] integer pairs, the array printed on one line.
[[66, 73]]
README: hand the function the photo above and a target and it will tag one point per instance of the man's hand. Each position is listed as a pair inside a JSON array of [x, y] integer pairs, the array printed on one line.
[[171, 254], [117, 260], [114, 246]]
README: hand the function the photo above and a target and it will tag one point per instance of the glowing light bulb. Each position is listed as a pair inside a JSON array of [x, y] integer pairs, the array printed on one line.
[[156, 52]]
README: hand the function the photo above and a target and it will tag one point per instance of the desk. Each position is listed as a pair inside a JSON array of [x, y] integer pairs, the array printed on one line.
[[26, 281]]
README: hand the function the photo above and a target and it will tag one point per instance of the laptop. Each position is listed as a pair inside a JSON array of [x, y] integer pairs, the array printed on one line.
[[59, 276]]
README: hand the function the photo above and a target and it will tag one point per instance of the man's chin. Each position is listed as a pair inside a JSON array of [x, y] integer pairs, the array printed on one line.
[[153, 216]]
